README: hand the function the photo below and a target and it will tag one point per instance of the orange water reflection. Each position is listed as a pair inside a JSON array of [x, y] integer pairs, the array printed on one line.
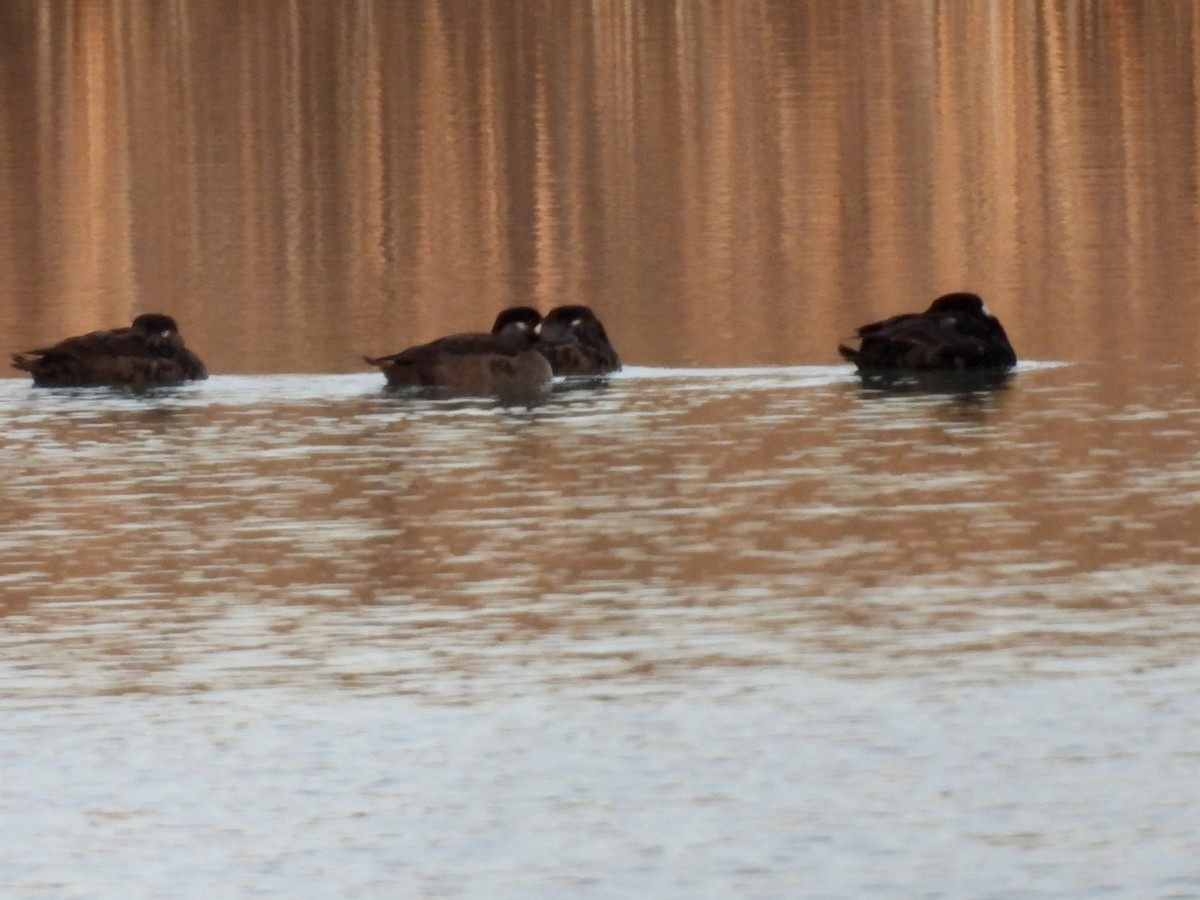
[[729, 183]]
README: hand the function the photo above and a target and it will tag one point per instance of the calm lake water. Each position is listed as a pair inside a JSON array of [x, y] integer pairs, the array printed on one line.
[[730, 623]]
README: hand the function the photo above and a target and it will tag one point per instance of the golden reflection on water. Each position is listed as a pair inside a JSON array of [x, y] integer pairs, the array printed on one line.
[[728, 183]]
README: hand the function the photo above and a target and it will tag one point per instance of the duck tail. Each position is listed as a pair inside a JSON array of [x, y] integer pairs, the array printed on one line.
[[848, 353], [24, 363]]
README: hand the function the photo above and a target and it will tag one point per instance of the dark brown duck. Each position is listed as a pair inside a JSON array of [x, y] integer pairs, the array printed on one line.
[[575, 343], [955, 333], [503, 362], [147, 353]]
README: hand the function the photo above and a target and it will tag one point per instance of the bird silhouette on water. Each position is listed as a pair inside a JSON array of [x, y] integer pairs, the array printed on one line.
[[956, 333], [149, 352]]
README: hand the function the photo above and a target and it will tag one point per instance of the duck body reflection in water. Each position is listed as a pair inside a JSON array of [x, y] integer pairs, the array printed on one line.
[[953, 382], [149, 352], [955, 334], [501, 363]]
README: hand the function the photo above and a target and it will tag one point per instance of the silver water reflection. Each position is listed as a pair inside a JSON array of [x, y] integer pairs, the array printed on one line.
[[750, 782]]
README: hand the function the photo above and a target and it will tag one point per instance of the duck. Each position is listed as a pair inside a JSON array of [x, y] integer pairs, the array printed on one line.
[[148, 353], [955, 333], [573, 340], [501, 362]]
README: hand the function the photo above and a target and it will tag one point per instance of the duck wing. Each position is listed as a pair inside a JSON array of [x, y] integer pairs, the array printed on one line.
[[113, 342], [466, 344], [433, 364]]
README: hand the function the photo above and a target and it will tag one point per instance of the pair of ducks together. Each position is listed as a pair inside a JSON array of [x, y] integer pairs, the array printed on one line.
[[523, 350]]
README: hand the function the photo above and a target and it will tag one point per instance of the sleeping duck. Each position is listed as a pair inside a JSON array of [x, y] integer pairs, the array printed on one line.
[[956, 332], [149, 352], [574, 341], [503, 362]]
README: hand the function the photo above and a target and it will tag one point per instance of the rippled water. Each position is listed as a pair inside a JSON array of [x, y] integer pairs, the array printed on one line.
[[695, 631], [756, 632]]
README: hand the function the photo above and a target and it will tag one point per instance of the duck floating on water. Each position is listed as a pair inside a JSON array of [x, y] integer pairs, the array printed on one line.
[[955, 333], [149, 352], [575, 343], [502, 362]]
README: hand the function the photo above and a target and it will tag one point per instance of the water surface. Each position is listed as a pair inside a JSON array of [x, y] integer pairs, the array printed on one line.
[[730, 623], [749, 631]]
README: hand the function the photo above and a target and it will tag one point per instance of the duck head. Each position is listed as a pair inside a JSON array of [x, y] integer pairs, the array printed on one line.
[[156, 324], [960, 302], [517, 318], [572, 322]]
